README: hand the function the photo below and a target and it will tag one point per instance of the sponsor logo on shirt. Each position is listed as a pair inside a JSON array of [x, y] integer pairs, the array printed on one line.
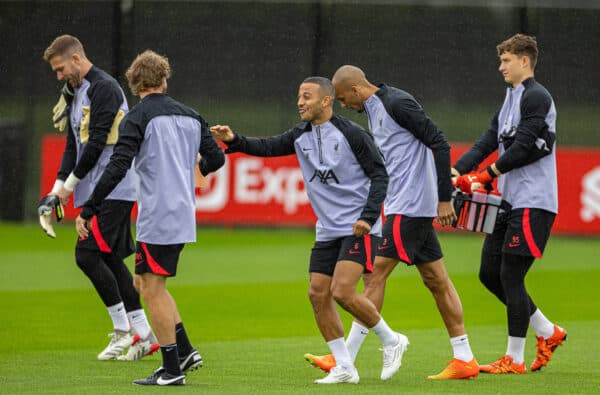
[[325, 176]]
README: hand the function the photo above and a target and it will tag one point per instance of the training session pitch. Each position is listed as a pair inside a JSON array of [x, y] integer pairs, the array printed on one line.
[[242, 294]]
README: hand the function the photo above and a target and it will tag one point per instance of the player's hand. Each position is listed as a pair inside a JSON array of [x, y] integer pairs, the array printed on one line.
[[454, 174], [82, 227], [64, 195], [361, 228], [472, 181], [446, 214], [222, 133]]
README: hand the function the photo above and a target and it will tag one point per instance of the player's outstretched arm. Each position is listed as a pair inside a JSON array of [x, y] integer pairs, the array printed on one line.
[[279, 145]]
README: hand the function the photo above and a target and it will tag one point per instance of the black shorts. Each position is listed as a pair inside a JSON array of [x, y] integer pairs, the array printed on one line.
[[522, 231], [111, 230], [325, 254], [157, 259], [411, 240]]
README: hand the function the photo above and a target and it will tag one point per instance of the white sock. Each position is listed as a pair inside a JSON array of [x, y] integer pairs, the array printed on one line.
[[340, 353], [516, 349], [140, 323], [355, 339], [119, 317], [461, 347], [541, 325], [387, 336]]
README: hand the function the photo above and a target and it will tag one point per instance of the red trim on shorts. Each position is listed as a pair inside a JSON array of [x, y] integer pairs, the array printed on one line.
[[535, 251], [398, 240], [369, 264], [102, 244], [154, 266]]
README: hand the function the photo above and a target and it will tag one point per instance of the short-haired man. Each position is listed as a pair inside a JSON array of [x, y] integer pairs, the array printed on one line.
[[417, 158], [523, 132], [165, 138], [90, 109], [346, 181]]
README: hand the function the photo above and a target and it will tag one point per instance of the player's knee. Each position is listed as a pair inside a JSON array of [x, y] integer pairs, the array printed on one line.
[[318, 294], [86, 259], [487, 280], [342, 293], [435, 282]]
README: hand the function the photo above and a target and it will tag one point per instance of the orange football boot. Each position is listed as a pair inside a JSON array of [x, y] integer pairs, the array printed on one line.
[[503, 366], [458, 369], [545, 347], [324, 362]]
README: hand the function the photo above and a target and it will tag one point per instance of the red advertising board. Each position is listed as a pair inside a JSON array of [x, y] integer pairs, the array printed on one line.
[[270, 191]]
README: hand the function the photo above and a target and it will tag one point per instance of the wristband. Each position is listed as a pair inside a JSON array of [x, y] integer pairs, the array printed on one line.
[[58, 184], [70, 182]]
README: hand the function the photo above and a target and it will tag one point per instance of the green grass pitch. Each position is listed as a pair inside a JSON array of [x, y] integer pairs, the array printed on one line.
[[243, 297]]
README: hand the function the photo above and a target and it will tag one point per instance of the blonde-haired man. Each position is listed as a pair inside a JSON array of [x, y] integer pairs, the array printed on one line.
[[165, 138]]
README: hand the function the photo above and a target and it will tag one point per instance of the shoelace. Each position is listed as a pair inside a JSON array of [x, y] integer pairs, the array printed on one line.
[[388, 356], [504, 365]]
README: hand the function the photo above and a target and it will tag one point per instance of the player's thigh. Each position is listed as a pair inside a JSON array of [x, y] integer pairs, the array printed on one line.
[[528, 231], [346, 275], [491, 252]]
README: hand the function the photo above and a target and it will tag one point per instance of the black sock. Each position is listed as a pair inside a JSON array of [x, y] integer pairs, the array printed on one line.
[[170, 359], [183, 343]]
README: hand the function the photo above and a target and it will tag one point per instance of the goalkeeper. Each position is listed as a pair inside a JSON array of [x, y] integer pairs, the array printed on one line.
[[89, 110], [523, 132]]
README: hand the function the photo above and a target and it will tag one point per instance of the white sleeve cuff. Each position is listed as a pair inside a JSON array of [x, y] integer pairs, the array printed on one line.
[[57, 185], [70, 182]]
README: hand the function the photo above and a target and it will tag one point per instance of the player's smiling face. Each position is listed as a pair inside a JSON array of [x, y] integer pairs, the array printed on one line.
[[310, 102]]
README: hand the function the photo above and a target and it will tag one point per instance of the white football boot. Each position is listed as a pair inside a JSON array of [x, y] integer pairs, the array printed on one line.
[[118, 343], [338, 375], [392, 357]]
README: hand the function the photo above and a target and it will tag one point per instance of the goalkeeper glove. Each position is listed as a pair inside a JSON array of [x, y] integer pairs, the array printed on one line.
[[45, 207], [60, 112], [470, 182]]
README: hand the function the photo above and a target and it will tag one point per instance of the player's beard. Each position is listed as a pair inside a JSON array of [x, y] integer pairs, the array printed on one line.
[[75, 79]]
